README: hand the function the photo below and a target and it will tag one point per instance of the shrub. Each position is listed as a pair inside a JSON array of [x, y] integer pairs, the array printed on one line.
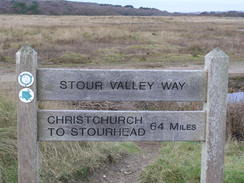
[[196, 50], [129, 6], [23, 8], [235, 121]]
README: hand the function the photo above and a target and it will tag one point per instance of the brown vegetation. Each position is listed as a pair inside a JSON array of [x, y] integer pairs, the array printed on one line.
[[147, 42], [236, 83], [235, 121]]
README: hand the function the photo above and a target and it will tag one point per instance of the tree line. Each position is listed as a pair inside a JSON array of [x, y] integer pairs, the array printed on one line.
[[24, 8]]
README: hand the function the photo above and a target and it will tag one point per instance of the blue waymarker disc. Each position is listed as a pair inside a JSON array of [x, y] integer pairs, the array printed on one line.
[[26, 95], [26, 79]]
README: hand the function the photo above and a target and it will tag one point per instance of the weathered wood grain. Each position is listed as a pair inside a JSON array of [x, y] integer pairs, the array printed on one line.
[[216, 63], [26, 60], [148, 125], [142, 85]]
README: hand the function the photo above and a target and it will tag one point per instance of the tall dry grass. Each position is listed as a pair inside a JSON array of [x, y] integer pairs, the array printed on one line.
[[129, 40], [8, 149], [7, 127], [75, 161]]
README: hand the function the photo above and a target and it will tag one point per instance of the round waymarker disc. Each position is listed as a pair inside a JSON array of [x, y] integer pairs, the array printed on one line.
[[26, 79], [26, 95]]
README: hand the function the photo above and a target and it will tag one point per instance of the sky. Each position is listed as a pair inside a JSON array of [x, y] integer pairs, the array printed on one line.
[[179, 5]]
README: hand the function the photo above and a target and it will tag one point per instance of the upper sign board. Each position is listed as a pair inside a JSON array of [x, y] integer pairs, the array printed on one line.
[[121, 85]]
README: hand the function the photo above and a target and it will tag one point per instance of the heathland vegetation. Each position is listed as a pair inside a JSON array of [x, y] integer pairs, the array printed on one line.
[[63, 7], [129, 41], [119, 42]]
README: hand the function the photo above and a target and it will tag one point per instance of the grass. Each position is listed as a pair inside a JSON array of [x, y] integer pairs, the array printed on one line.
[[180, 163], [139, 41], [71, 58], [8, 149], [76, 161], [60, 162]]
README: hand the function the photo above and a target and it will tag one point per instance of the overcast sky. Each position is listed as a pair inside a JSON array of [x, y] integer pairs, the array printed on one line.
[[179, 5]]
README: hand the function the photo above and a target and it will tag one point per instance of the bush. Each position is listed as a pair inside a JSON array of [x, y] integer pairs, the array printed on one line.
[[235, 121], [129, 6], [196, 50], [20, 7], [23, 8]]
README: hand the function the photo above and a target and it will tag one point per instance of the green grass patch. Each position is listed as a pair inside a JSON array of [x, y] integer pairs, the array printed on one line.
[[7, 113], [180, 163], [8, 164], [185, 58], [8, 151], [234, 163], [71, 57], [114, 58], [6, 59]]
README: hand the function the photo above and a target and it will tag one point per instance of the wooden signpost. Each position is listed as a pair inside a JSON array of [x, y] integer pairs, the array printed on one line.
[[206, 126]]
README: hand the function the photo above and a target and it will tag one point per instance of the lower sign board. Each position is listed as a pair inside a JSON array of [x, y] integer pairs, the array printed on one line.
[[121, 125]]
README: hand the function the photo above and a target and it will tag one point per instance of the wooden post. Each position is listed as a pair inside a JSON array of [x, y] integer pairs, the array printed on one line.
[[26, 61], [216, 64]]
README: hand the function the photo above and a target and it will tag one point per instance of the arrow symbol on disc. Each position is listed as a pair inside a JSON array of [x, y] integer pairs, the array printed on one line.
[[26, 95]]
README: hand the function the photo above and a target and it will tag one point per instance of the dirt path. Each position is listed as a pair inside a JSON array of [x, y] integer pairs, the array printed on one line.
[[7, 72], [127, 170]]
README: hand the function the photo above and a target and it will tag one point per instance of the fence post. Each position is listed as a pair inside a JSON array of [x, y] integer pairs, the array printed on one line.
[[28, 149], [216, 64]]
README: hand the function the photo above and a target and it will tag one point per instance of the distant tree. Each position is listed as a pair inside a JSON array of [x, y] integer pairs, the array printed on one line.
[[145, 8], [23, 8], [129, 6], [19, 7], [33, 8]]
